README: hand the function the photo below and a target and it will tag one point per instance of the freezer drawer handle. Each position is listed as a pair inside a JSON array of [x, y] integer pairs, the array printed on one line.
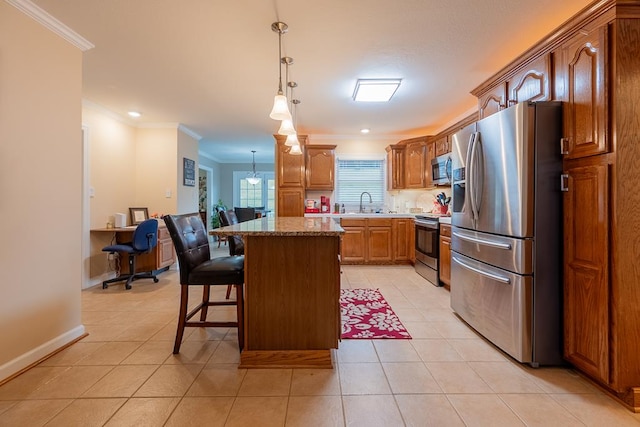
[[483, 242], [495, 277]]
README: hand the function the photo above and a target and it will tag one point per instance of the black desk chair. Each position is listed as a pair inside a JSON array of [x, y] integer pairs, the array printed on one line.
[[145, 238], [189, 237]]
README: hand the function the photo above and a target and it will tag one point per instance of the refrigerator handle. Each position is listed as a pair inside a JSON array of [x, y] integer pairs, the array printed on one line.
[[497, 245], [495, 277], [474, 176], [469, 176]]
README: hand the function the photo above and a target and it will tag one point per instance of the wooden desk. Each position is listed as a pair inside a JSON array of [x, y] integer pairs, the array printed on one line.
[[158, 260], [292, 291]]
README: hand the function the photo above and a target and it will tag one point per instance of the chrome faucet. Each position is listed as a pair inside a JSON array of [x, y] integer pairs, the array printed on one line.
[[370, 200]]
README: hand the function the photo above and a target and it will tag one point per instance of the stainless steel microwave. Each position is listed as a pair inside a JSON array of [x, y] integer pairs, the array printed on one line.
[[441, 170]]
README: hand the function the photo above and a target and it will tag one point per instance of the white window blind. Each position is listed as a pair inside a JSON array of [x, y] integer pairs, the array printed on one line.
[[356, 176]]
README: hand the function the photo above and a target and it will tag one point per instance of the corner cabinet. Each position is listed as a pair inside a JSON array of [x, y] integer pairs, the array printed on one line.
[[290, 178], [320, 167]]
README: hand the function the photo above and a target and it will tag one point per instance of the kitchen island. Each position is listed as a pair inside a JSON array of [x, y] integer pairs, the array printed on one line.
[[292, 291]]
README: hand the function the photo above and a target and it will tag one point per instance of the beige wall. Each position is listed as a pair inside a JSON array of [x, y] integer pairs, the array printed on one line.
[[156, 171], [187, 200], [40, 191]]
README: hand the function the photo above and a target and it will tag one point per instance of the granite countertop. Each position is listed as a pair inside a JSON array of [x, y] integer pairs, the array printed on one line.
[[282, 226], [359, 215]]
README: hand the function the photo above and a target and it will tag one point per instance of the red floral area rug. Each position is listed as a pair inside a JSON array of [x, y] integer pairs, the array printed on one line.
[[367, 315]]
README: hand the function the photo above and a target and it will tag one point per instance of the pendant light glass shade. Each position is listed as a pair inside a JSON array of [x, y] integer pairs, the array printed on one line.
[[295, 150], [286, 128], [280, 109], [252, 177], [292, 140]]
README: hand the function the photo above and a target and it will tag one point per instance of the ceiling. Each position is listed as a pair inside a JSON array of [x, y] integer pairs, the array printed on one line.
[[212, 65]]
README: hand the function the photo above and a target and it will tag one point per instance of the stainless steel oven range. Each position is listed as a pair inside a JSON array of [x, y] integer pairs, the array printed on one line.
[[427, 247]]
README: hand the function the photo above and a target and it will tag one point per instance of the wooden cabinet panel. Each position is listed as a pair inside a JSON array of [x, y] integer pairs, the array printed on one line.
[[395, 167], [291, 170], [320, 166], [444, 270], [586, 290], [404, 240], [583, 71], [492, 101], [415, 158], [532, 82], [290, 202], [379, 243], [165, 254], [442, 146], [353, 244]]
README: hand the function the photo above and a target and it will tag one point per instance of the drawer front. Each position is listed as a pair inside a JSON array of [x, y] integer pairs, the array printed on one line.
[[353, 222], [163, 233], [445, 230], [380, 222]]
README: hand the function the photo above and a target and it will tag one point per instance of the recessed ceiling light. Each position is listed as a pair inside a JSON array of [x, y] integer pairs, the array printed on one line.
[[375, 90], [365, 130], [134, 114]]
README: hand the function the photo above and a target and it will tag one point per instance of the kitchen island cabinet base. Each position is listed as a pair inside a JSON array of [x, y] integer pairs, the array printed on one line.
[[286, 359]]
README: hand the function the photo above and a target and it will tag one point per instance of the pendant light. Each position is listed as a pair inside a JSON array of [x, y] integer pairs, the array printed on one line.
[[296, 150], [287, 126], [280, 109], [252, 177]]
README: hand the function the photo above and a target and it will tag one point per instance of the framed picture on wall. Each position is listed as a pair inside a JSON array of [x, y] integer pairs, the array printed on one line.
[[189, 172], [138, 215]]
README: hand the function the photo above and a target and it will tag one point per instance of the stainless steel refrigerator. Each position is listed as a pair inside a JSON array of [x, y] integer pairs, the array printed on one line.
[[506, 260]]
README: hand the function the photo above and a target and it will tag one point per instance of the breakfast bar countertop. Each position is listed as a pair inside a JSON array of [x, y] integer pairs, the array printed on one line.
[[282, 226]]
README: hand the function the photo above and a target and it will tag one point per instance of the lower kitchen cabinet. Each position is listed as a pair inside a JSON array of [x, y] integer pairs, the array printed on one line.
[[586, 279], [445, 255], [377, 240]]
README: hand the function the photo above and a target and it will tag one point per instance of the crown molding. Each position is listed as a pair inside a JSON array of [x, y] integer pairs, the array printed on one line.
[[189, 132], [39, 15], [209, 156], [107, 112]]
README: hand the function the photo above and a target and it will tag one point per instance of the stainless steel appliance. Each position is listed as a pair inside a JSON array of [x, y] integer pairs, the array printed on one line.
[[506, 271], [427, 231], [441, 170]]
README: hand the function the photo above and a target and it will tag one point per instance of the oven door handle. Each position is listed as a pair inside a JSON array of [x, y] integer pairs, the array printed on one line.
[[495, 277], [484, 242]]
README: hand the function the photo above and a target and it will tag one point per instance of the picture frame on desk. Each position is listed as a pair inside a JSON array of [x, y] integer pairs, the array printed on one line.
[[138, 215]]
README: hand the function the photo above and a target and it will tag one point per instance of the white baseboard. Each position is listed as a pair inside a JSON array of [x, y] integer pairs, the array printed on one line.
[[27, 359]]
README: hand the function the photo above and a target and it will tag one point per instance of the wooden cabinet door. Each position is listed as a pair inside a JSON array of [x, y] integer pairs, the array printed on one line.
[[353, 244], [291, 170], [395, 167], [586, 269], [403, 233], [290, 202], [492, 101], [584, 74], [379, 244], [165, 253], [320, 165], [442, 146], [532, 82], [415, 158], [445, 254]]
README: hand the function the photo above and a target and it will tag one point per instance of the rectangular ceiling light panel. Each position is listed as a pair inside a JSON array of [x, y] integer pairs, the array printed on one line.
[[375, 90]]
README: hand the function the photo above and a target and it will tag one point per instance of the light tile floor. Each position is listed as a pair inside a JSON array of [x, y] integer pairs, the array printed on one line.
[[124, 374]]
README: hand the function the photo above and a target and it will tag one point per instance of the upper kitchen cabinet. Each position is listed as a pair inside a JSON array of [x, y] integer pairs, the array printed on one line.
[[290, 167], [441, 146], [320, 167], [528, 81], [416, 164], [395, 167], [290, 178], [581, 75]]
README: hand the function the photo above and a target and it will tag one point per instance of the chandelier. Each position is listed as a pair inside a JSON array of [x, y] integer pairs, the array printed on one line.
[[253, 177]]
